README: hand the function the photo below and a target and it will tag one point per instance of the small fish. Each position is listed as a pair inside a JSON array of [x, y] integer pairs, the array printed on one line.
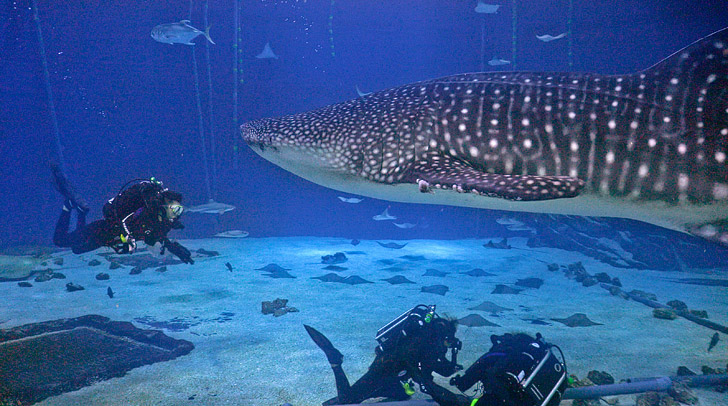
[[211, 207], [355, 242], [404, 225], [229, 267], [484, 8], [179, 33], [384, 216], [110, 292], [350, 199], [713, 341], [498, 62], [549, 38], [267, 53], [232, 234], [360, 93], [392, 245]]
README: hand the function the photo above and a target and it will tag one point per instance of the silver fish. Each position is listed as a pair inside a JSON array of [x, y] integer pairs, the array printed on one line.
[[650, 146], [179, 33]]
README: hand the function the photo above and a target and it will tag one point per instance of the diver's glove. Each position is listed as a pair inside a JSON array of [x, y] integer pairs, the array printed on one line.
[[179, 251], [125, 244]]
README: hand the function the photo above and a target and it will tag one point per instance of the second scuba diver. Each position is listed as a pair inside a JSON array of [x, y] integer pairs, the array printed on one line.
[[412, 347], [146, 211]]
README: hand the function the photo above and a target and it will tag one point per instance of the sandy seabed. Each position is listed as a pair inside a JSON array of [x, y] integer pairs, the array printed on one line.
[[254, 359]]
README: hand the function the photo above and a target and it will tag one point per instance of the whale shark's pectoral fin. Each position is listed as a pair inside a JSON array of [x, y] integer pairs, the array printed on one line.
[[446, 173]]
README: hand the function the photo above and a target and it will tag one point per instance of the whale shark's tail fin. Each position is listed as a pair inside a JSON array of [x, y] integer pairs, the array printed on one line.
[[695, 80]]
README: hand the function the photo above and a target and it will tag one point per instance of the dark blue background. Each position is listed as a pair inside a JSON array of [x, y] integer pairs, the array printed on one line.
[[126, 104]]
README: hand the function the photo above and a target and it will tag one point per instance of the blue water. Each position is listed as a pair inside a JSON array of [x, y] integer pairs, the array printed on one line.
[[126, 105]]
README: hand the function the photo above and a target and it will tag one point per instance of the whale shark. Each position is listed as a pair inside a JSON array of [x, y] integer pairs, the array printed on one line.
[[649, 145]]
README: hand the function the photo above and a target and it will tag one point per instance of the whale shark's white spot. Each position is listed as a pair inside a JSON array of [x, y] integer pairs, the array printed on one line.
[[267, 53], [549, 38], [360, 93], [484, 8], [384, 216], [352, 200]]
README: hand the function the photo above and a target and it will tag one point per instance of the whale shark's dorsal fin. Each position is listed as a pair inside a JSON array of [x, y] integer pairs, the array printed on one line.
[[446, 173]]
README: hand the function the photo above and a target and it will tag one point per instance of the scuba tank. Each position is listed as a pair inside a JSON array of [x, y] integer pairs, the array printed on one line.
[[405, 324]]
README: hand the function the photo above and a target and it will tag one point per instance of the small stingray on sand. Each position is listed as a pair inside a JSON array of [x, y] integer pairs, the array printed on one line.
[[272, 268], [577, 320], [397, 280], [434, 272], [489, 307], [413, 257], [355, 280], [530, 283], [538, 321], [478, 272], [436, 289], [392, 245], [503, 244], [330, 277], [394, 269], [476, 320], [387, 261], [335, 268], [505, 290]]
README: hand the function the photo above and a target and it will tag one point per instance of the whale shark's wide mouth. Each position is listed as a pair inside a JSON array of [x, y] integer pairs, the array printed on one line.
[[258, 133]]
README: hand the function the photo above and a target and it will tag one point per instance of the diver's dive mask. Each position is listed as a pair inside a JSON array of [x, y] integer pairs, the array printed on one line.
[[174, 210]]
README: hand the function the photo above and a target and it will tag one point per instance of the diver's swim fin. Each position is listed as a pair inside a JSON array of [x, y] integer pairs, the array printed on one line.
[[64, 187], [332, 354]]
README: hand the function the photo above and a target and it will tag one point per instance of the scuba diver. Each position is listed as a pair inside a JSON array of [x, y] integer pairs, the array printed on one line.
[[518, 370], [145, 211], [411, 347]]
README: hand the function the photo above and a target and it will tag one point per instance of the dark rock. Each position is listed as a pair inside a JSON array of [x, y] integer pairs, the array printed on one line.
[[553, 267], [102, 277], [114, 265], [435, 289], [505, 290], [706, 370], [44, 277], [272, 306], [600, 377], [643, 294], [136, 270], [677, 305], [161, 269], [58, 261], [72, 287], [207, 253], [681, 393], [616, 282], [603, 277], [703, 314], [397, 280], [292, 309], [534, 283], [476, 320], [589, 281], [25, 284], [684, 371], [648, 399], [666, 314], [337, 258], [279, 312], [503, 244], [94, 262], [577, 320], [58, 275]]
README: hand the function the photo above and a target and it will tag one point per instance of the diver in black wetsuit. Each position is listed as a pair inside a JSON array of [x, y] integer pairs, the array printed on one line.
[[412, 355], [145, 211]]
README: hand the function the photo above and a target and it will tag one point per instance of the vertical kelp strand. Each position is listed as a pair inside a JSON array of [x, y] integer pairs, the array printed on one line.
[[570, 33], [513, 45], [331, 28], [49, 90], [199, 115], [236, 66], [213, 164]]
